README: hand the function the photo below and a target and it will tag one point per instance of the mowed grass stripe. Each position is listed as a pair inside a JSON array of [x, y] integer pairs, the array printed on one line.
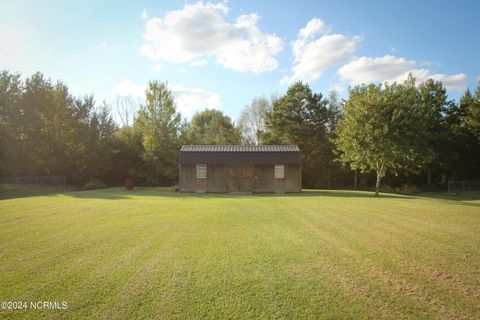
[[352, 267], [395, 248], [320, 254], [238, 289], [392, 270]]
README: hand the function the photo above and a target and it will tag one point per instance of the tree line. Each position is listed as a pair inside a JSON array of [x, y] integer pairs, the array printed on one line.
[[401, 133]]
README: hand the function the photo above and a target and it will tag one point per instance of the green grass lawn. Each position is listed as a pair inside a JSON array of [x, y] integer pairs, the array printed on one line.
[[320, 254]]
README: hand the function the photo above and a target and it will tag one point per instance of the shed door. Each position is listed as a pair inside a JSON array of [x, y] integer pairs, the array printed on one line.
[[241, 178], [263, 178]]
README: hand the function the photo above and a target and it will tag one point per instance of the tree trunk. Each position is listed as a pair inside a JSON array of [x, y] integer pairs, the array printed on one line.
[[377, 186]]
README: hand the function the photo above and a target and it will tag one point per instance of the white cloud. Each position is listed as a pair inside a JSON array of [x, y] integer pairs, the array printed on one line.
[[198, 63], [478, 78], [372, 69], [127, 88], [391, 68], [201, 30], [455, 82], [188, 100], [312, 28], [157, 68], [312, 56], [339, 87]]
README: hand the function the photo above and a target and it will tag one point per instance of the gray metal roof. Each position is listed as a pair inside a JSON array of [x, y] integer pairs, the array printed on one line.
[[239, 148], [239, 154]]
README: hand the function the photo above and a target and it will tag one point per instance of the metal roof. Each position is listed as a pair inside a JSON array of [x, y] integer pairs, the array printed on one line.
[[239, 148], [239, 154]]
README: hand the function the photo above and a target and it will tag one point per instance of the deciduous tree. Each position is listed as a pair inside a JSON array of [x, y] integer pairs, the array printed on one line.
[[158, 123], [212, 127], [383, 129]]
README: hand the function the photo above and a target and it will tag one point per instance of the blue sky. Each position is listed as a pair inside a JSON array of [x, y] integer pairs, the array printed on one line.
[[223, 54]]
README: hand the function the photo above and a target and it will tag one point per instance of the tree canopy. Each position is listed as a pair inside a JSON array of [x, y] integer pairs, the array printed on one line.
[[300, 117], [158, 124], [212, 127], [401, 133], [384, 129]]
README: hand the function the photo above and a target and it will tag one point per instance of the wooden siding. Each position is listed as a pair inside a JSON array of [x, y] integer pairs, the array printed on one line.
[[240, 178], [187, 178], [216, 178]]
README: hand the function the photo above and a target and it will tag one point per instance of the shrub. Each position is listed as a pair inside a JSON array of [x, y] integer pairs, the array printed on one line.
[[409, 189], [94, 184], [388, 189]]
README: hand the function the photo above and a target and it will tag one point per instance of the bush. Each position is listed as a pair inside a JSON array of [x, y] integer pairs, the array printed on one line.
[[388, 189], [409, 189], [94, 184]]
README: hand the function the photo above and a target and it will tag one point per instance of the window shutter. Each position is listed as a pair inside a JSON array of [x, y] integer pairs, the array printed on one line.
[[201, 171], [279, 171]]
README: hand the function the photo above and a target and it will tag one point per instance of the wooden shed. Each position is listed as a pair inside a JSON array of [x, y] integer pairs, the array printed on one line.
[[240, 168]]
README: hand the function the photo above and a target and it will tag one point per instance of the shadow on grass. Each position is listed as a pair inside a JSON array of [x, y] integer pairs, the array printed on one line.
[[461, 199], [121, 193], [108, 194], [11, 192], [8, 191]]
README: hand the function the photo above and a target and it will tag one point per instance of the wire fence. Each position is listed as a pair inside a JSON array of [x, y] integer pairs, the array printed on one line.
[[463, 186], [44, 181]]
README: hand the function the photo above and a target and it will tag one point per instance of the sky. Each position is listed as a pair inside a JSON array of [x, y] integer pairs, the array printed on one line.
[[223, 54]]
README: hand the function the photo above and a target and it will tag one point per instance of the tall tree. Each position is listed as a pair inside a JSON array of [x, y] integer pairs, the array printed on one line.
[[464, 147], [158, 123], [472, 111], [252, 120], [11, 91], [299, 117], [44, 130], [212, 127], [433, 104], [95, 127], [383, 130], [337, 174]]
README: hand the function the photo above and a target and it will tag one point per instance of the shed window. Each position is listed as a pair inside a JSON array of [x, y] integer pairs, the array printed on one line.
[[201, 171], [279, 171]]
